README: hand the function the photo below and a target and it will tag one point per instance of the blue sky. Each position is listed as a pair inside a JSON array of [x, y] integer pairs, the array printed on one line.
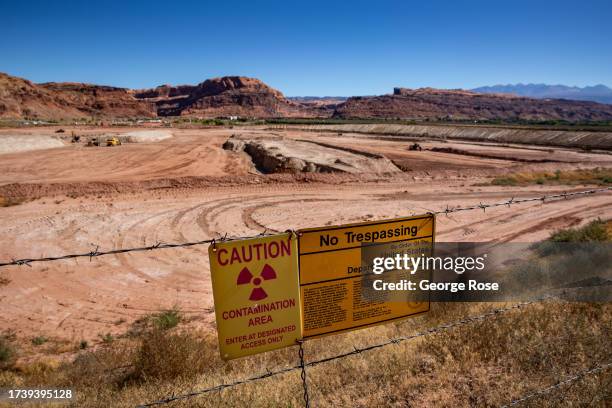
[[309, 47]]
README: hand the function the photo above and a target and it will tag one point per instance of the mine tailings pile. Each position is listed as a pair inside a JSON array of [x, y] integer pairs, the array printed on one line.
[[561, 138], [282, 155]]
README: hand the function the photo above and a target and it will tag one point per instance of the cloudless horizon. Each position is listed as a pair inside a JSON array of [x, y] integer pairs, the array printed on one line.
[[317, 48]]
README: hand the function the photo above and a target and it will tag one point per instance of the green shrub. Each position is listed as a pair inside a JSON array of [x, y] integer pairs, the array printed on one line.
[[593, 231], [606, 180], [39, 340], [7, 353], [166, 319], [505, 181]]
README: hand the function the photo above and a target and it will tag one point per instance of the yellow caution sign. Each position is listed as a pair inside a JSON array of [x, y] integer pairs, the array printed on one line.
[[336, 277], [256, 292]]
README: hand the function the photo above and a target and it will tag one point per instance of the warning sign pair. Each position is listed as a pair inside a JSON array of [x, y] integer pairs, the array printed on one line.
[[272, 291]]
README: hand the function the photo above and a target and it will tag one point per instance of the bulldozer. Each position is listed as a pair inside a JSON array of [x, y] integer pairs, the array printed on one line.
[[113, 141]]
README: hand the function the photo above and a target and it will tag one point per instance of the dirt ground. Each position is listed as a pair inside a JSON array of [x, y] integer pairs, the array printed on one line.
[[81, 299]]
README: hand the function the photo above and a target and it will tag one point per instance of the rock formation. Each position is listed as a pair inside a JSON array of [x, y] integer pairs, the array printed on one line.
[[223, 97], [21, 99], [428, 103], [250, 98]]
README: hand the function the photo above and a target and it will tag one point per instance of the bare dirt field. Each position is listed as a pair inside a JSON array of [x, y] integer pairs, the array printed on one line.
[[187, 187]]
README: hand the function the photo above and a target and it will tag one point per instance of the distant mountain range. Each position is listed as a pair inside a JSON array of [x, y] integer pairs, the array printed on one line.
[[596, 93], [251, 98]]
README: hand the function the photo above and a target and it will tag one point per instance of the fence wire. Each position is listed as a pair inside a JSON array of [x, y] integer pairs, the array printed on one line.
[[508, 203], [303, 374], [355, 351], [161, 245], [558, 385], [303, 365]]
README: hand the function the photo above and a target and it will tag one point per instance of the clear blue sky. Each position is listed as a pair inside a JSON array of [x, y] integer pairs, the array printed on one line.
[[309, 47]]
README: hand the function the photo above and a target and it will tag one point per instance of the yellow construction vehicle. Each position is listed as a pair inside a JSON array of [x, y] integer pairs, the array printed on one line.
[[113, 141]]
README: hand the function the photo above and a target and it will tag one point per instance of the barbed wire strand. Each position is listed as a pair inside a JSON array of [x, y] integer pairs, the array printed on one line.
[[557, 385], [303, 374], [161, 245], [96, 253], [355, 351], [303, 365], [512, 201]]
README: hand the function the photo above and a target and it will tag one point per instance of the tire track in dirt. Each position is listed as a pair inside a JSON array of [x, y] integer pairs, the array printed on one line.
[[247, 214], [553, 213], [218, 213], [123, 237], [163, 223], [139, 225], [564, 220], [205, 220]]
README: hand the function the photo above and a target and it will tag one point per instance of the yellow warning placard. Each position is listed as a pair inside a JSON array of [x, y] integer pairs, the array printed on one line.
[[335, 265], [256, 292]]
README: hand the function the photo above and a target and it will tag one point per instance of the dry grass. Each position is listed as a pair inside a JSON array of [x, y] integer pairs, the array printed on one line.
[[172, 356], [482, 364], [597, 176]]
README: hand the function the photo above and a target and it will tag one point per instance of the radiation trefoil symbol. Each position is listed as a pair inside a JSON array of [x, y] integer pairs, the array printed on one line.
[[246, 277]]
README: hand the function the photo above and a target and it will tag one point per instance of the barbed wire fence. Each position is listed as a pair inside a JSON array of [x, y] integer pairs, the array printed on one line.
[[559, 384], [355, 351], [161, 245], [394, 341]]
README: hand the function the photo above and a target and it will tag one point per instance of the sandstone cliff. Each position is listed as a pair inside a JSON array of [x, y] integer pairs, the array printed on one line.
[[251, 98], [227, 96], [20, 98], [458, 104]]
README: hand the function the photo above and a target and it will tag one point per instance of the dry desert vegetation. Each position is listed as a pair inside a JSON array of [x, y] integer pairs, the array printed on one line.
[[137, 327]]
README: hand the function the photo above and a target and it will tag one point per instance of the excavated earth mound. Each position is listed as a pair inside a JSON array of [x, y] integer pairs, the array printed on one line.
[[281, 155], [22, 143], [562, 138]]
